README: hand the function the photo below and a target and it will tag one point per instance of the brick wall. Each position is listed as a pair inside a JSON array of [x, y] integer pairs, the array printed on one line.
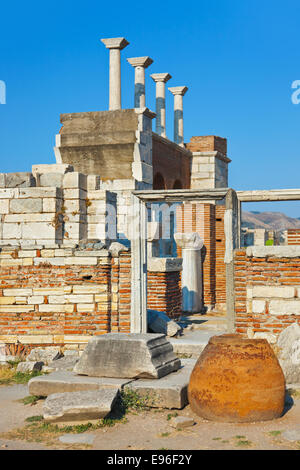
[[208, 221], [172, 162], [207, 143], [220, 253], [267, 290], [293, 236], [62, 296], [164, 293]]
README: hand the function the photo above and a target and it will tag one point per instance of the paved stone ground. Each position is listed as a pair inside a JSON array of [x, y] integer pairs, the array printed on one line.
[[153, 430]]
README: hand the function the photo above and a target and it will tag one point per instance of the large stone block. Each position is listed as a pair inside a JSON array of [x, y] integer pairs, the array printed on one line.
[[21, 206], [51, 179], [51, 168], [19, 180], [79, 406], [128, 356], [62, 381], [169, 391], [284, 307]]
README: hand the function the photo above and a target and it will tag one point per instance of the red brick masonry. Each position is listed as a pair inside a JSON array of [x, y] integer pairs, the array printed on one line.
[[267, 293]]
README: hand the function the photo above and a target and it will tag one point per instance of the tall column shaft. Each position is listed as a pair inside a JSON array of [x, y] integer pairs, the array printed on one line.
[[115, 45], [178, 119], [139, 64], [114, 79], [139, 87], [178, 93], [161, 79]]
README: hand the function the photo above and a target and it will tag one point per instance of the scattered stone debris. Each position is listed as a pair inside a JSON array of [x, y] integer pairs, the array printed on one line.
[[45, 355], [29, 366], [84, 438], [180, 422]]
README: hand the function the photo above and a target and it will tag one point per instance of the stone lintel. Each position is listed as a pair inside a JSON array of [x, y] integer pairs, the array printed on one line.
[[140, 61], [161, 77], [115, 43]]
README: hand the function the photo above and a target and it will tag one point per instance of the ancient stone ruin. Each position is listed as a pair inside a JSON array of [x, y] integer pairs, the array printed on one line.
[[129, 231]]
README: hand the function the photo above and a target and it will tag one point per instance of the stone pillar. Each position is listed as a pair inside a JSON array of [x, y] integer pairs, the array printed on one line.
[[209, 164], [191, 281], [139, 64], [115, 45], [178, 92], [160, 80]]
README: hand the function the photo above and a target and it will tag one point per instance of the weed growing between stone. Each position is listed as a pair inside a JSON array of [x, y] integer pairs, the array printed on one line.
[[30, 400], [275, 433], [38, 430], [9, 375], [132, 400], [172, 415]]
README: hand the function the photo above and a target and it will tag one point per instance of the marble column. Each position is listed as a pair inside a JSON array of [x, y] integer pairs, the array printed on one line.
[[191, 281], [115, 45], [178, 92], [139, 64], [160, 80]]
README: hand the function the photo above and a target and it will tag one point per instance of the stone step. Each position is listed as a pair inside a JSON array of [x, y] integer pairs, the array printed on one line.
[[67, 381], [167, 392], [192, 343]]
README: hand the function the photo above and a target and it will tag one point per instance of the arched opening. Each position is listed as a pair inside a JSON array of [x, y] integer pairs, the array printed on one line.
[[159, 182], [177, 185]]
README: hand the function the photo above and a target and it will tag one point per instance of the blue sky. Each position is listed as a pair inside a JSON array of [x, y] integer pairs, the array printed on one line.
[[238, 58]]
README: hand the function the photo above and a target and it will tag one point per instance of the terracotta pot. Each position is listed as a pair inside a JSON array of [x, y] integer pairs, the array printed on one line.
[[237, 380]]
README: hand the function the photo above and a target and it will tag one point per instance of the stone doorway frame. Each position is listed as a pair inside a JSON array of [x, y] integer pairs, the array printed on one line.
[[140, 199]]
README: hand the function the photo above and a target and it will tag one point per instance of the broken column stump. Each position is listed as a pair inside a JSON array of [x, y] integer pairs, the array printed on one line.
[[128, 356]]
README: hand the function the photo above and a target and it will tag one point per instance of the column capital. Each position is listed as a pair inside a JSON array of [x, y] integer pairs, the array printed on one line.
[[140, 61], [161, 77], [178, 90], [190, 240], [115, 43]]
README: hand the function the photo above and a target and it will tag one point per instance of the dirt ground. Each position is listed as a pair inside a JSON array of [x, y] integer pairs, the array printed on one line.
[[151, 429]]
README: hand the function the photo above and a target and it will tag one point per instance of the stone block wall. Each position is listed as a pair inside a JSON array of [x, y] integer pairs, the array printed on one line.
[[267, 290], [63, 207], [209, 163]]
